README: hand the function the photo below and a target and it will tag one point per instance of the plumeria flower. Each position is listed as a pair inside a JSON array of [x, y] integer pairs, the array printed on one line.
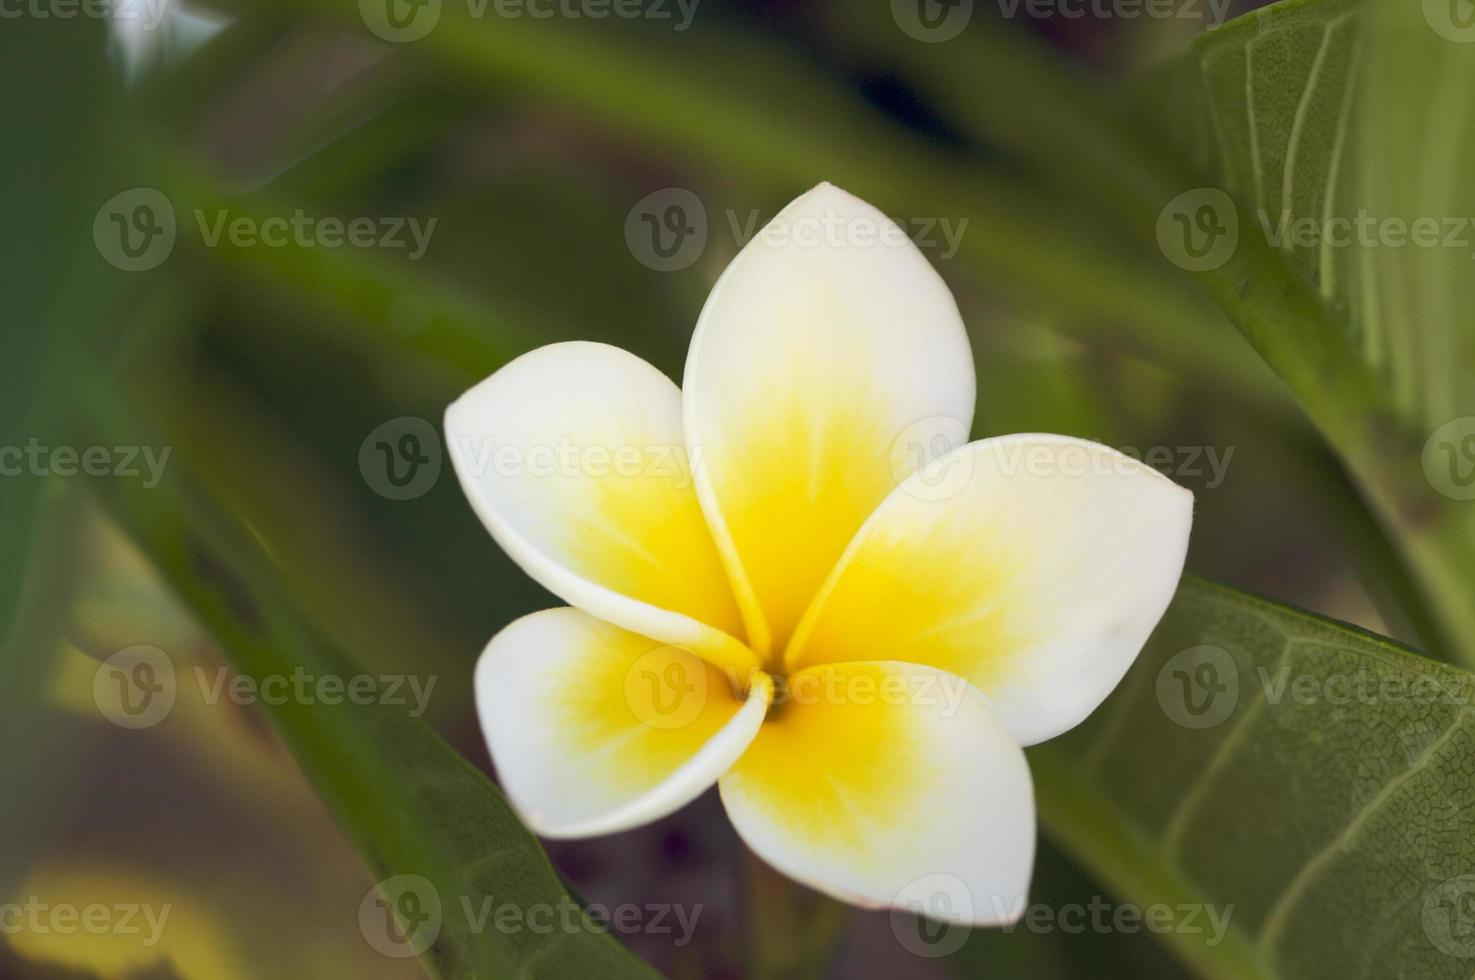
[[783, 580]]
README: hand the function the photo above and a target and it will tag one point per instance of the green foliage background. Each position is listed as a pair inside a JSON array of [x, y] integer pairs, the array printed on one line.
[[1340, 833]]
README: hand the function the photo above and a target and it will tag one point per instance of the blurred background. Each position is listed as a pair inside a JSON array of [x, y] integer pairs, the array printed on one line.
[[502, 181]]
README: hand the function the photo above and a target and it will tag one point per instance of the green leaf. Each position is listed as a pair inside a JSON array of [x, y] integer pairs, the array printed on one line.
[[44, 169], [1308, 779], [1274, 109], [1316, 111], [1320, 114], [38, 242]]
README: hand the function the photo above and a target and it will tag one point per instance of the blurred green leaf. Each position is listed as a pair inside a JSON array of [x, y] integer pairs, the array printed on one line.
[[38, 242], [720, 101], [1306, 779], [409, 802], [53, 135]]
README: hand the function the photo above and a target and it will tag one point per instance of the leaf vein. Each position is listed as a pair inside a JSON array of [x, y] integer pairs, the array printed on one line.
[[1280, 912]]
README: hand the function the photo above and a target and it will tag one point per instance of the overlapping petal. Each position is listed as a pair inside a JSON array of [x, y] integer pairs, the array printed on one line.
[[825, 350], [573, 457], [1035, 566], [595, 729], [871, 776]]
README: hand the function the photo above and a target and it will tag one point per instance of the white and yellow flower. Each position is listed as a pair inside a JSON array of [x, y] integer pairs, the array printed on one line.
[[782, 582]]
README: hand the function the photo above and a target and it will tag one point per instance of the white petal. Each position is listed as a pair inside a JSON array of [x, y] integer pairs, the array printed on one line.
[[827, 355], [573, 457], [874, 776], [595, 730], [1035, 566]]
